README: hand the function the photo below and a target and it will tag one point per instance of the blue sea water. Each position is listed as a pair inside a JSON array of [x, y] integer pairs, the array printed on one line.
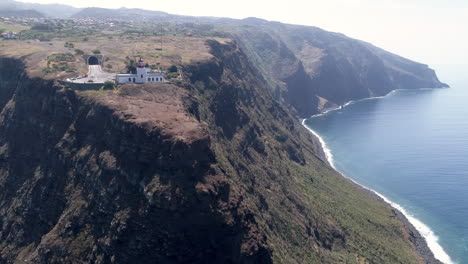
[[410, 146]]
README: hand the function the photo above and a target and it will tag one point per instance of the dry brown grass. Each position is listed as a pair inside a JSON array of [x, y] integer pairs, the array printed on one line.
[[156, 106], [176, 50], [12, 27]]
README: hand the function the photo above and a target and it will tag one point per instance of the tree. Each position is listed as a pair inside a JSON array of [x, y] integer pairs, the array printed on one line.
[[43, 27], [173, 68], [79, 52], [108, 85], [131, 66]]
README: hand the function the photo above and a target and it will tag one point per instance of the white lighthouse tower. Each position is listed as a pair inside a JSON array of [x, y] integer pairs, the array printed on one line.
[[142, 72]]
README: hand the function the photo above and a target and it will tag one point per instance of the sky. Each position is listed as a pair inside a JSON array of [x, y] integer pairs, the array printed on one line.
[[433, 32]]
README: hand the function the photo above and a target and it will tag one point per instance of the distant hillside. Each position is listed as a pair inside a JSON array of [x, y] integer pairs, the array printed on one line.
[[20, 13], [48, 10], [122, 13]]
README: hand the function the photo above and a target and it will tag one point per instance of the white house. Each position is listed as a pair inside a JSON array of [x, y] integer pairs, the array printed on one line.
[[9, 35], [143, 75]]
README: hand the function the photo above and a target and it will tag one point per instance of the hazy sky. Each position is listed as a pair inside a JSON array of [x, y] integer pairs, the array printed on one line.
[[429, 31]]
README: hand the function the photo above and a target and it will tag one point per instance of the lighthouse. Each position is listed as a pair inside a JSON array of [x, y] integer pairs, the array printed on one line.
[[143, 75], [141, 71]]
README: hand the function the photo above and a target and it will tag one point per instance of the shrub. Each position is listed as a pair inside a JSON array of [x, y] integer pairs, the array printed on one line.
[[59, 67], [42, 27], [79, 52], [173, 68], [108, 85], [200, 85], [172, 75], [130, 65], [96, 52], [58, 57], [69, 45]]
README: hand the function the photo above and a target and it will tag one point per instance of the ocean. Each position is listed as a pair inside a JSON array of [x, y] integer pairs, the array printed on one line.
[[411, 147]]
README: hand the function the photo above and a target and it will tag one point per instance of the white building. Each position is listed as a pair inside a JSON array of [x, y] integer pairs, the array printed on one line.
[[143, 75], [9, 35]]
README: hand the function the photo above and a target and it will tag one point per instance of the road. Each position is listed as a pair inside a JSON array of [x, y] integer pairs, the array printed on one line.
[[95, 75]]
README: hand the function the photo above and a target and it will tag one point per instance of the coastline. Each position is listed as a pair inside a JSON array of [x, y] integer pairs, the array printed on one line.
[[421, 235]]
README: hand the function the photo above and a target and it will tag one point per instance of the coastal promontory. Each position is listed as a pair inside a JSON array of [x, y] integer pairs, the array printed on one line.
[[211, 166]]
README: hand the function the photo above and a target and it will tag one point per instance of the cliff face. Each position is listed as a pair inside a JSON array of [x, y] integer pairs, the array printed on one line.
[[113, 178], [217, 171], [313, 69]]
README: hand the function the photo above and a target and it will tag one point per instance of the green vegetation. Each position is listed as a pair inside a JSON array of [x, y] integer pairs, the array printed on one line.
[[58, 67], [79, 52], [96, 51], [172, 72], [130, 65], [53, 34], [108, 85], [43, 27], [69, 45], [173, 68], [61, 57], [12, 27], [58, 62], [172, 75]]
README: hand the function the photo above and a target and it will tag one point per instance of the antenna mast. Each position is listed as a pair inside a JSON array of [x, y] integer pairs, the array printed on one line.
[[161, 37]]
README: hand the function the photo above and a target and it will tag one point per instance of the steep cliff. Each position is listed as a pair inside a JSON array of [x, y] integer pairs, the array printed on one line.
[[112, 178], [216, 171], [313, 69]]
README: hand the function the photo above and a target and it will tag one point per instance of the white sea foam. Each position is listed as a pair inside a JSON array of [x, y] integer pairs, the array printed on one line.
[[423, 229], [431, 239], [326, 150], [352, 102]]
